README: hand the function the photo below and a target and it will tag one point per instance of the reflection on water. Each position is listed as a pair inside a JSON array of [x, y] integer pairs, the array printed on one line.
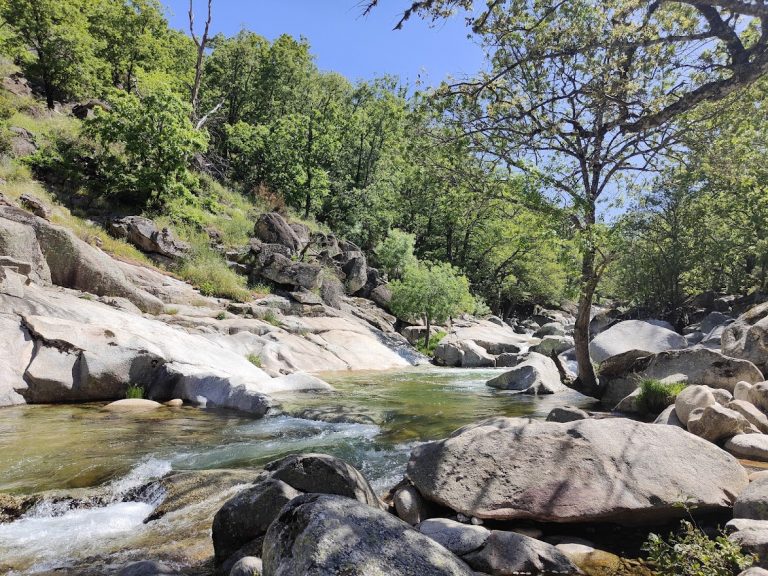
[[79, 446]]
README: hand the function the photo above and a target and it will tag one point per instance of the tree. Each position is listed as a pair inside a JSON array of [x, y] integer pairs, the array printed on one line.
[[434, 292], [395, 253], [133, 35], [581, 94], [200, 42], [61, 51], [145, 145]]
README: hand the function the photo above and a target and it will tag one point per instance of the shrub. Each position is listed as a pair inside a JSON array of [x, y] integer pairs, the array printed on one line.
[[691, 553], [429, 350], [655, 396], [254, 359], [271, 318], [134, 392], [395, 253]]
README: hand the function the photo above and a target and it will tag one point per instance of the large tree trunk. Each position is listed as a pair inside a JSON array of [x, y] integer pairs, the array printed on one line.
[[586, 383]]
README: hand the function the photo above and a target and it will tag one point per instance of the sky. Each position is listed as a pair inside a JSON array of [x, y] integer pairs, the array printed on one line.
[[344, 41]]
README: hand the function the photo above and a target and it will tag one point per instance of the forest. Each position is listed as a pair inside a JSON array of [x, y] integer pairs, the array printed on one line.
[[468, 174]]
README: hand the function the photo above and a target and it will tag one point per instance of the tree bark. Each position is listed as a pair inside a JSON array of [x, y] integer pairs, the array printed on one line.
[[426, 337], [586, 383]]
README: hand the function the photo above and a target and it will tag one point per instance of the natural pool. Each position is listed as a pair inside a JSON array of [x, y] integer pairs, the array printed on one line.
[[80, 446]]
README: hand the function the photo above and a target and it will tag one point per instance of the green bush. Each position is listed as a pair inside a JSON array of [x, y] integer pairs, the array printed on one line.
[[655, 396], [429, 350], [134, 392], [144, 147], [691, 553], [254, 359], [210, 273], [395, 253]]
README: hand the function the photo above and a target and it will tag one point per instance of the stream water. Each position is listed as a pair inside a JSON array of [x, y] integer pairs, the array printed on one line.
[[377, 419]]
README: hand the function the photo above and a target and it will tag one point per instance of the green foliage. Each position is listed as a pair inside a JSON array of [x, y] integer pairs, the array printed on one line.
[[271, 318], [428, 348], [434, 292], [144, 147], [691, 553], [254, 359], [655, 396], [54, 46], [134, 392], [395, 253]]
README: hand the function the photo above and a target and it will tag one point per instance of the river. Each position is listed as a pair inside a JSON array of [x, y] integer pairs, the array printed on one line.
[[378, 418]]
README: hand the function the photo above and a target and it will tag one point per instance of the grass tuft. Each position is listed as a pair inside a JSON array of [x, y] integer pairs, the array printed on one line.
[[655, 396], [254, 359], [134, 392], [433, 342]]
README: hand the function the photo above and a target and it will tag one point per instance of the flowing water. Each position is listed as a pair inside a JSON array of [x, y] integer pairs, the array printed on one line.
[[375, 421]]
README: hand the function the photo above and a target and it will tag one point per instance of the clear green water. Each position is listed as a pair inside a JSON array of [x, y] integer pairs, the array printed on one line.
[[76, 446], [80, 446]]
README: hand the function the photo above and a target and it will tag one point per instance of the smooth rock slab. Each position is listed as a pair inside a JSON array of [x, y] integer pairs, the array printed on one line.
[[634, 335], [321, 535], [613, 470], [749, 447], [132, 405]]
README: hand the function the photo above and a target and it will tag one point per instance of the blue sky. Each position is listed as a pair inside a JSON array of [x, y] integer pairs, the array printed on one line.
[[344, 41]]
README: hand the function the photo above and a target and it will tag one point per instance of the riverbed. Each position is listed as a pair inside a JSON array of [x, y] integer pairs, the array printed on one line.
[[373, 420]]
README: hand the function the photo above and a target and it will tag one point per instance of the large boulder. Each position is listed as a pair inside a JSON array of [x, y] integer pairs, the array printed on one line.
[[747, 337], [691, 398], [612, 470], [145, 235], [716, 423], [509, 553], [756, 417], [283, 270], [247, 516], [752, 502], [475, 356], [749, 447], [751, 536], [699, 366], [634, 335], [273, 229], [318, 535], [355, 271], [536, 375], [553, 344], [322, 473]]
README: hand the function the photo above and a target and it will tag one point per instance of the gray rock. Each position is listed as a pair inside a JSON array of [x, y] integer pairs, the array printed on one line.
[[283, 270], [700, 366], [749, 447], [634, 335], [754, 571], [273, 229], [722, 396], [758, 395], [690, 398], [475, 356], [457, 537], [713, 320], [35, 205], [247, 566], [751, 413], [746, 338], [410, 506], [247, 516], [145, 235], [513, 468], [74, 264], [751, 536], [536, 375], [566, 414], [512, 553], [741, 391], [509, 359], [556, 344], [319, 535], [716, 423], [356, 272], [752, 502], [669, 417], [323, 474], [550, 329], [148, 568]]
